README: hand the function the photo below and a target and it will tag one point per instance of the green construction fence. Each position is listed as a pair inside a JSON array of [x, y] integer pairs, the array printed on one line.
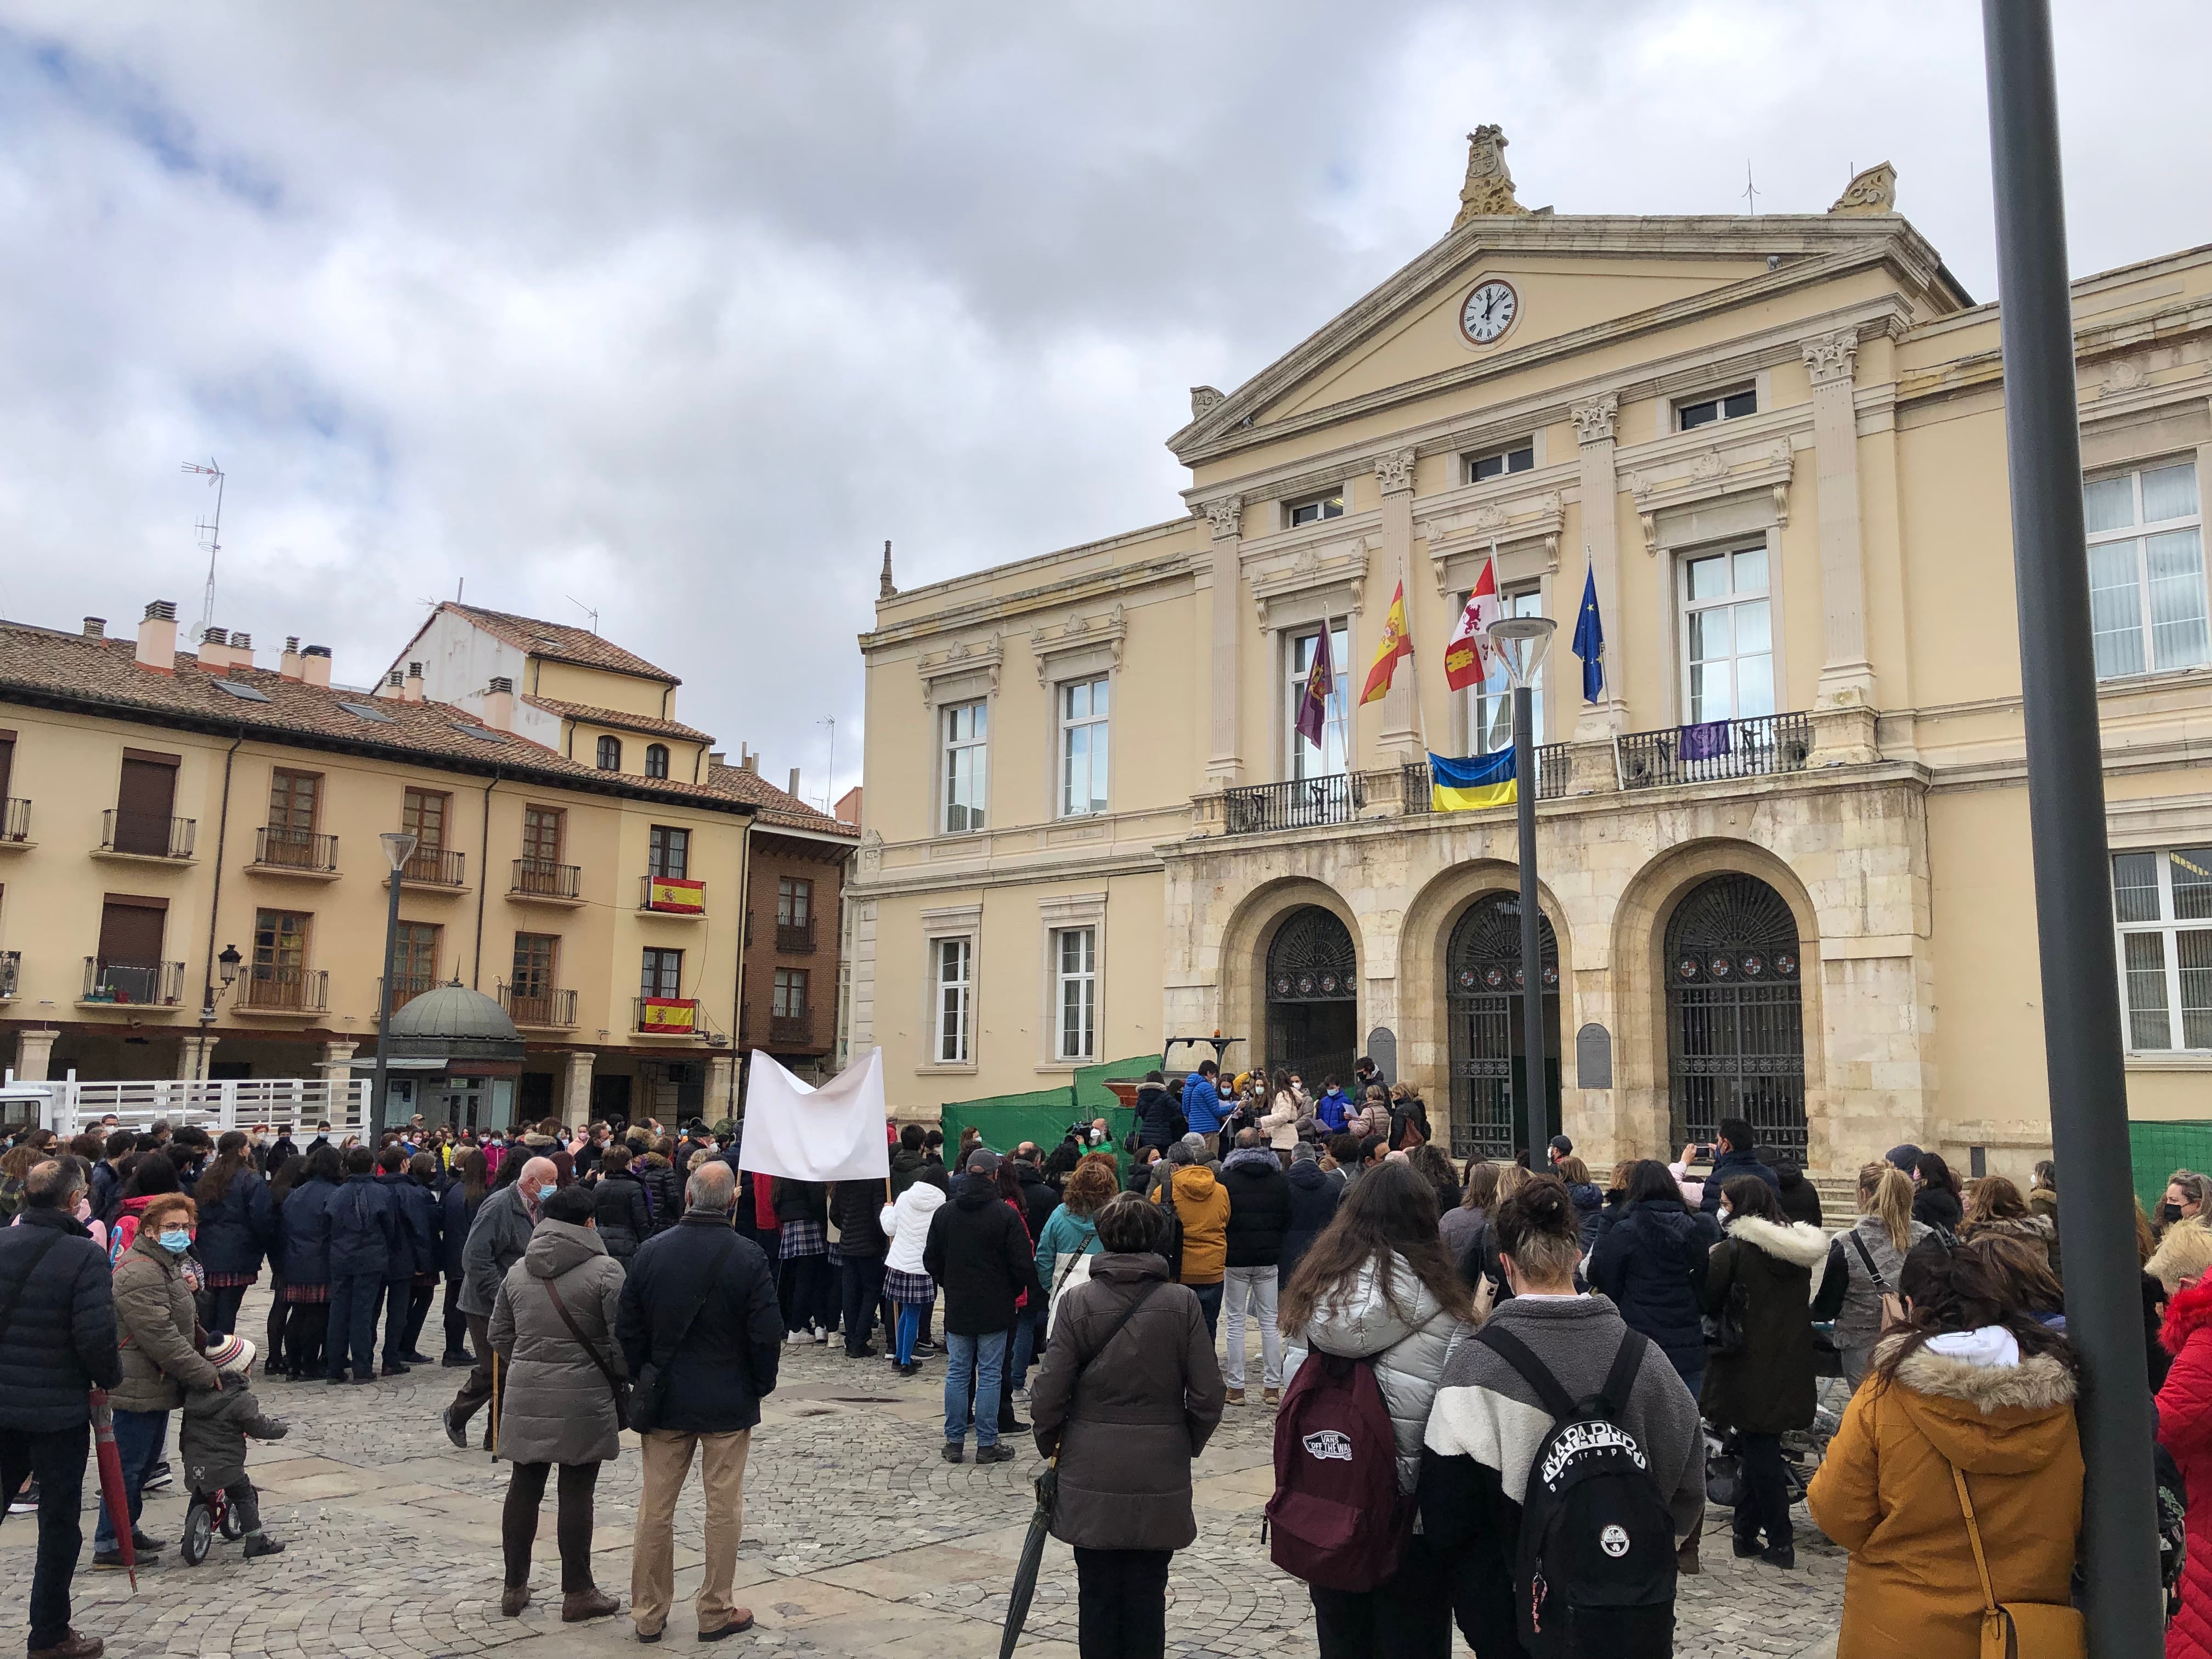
[[1043, 1114], [2157, 1150]]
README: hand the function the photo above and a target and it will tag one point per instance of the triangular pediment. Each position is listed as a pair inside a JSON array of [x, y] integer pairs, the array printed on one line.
[[1574, 283]]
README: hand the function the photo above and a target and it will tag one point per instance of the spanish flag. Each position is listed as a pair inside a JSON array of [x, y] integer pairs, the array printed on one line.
[[1468, 786], [674, 893], [1396, 642], [670, 1015]]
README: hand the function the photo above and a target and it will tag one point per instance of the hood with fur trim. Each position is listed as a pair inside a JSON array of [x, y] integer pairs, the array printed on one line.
[[1800, 1244], [1988, 1420]]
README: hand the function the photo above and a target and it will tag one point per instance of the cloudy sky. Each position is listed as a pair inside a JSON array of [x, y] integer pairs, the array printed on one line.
[[677, 312]]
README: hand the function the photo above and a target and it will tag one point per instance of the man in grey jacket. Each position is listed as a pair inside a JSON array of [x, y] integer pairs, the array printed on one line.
[[498, 1238]]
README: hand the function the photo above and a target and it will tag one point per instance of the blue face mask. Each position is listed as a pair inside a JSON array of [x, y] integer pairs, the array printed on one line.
[[175, 1240], [546, 1192]]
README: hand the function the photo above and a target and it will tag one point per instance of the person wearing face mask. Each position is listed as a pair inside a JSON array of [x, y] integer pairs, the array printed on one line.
[[2182, 1224], [497, 1239], [154, 1317]]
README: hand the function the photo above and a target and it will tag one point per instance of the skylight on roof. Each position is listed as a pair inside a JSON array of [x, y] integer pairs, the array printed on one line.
[[239, 690], [364, 712], [476, 731]]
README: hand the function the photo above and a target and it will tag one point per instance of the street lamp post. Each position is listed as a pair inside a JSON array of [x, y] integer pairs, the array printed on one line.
[[1522, 642], [227, 967], [398, 848]]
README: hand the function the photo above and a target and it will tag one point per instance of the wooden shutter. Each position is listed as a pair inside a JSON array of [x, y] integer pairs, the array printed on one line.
[[145, 799], [131, 931], [7, 762]]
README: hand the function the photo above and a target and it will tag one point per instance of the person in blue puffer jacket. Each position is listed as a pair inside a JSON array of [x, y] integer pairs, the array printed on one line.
[[411, 1274], [237, 1226], [1651, 1261], [364, 1233], [1201, 1100], [457, 1212], [305, 1225]]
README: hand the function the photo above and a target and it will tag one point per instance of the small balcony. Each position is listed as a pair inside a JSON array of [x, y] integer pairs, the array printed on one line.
[[674, 896], [542, 1009], [1419, 794], [664, 1017], [11, 964], [281, 851], [541, 881], [404, 989], [791, 1031], [125, 834], [15, 822], [136, 985], [795, 939], [1717, 749], [300, 992], [1304, 803], [439, 868]]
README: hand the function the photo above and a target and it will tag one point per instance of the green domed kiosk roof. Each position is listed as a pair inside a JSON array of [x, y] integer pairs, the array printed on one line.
[[452, 1021]]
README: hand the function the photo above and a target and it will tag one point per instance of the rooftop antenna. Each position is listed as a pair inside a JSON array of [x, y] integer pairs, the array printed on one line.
[[1750, 190], [586, 609], [210, 537], [829, 788]]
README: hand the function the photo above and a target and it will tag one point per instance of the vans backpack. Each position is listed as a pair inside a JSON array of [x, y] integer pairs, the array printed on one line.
[[1336, 1519], [1596, 1569]]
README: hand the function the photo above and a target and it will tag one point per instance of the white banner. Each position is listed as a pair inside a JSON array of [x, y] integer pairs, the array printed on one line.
[[835, 1133]]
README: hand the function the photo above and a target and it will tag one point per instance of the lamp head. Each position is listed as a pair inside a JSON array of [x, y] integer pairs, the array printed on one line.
[[1522, 641], [398, 848], [227, 964]]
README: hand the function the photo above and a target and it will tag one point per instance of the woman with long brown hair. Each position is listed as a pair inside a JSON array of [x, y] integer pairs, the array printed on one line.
[[1377, 1286], [1996, 1207], [1863, 1262], [237, 1224]]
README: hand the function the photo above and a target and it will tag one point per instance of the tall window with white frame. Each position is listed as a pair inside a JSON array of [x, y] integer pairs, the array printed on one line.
[[2147, 596], [1083, 747], [1490, 705], [952, 971], [966, 764], [1329, 758], [1727, 636], [1075, 982], [1514, 457], [2162, 902]]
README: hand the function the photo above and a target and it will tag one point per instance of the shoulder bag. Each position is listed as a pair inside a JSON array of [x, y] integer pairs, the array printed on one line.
[[648, 1403], [2018, 1630], [1047, 1481], [1893, 1307], [619, 1387]]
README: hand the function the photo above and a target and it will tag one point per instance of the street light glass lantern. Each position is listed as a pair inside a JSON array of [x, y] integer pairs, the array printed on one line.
[[398, 848], [227, 964], [1522, 641]]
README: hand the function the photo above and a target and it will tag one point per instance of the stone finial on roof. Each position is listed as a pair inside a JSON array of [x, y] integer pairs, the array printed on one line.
[[1489, 187], [1873, 191], [1204, 400], [885, 589]]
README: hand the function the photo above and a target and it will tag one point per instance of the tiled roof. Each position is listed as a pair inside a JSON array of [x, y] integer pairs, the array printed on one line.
[[777, 808], [620, 721], [557, 641], [47, 667]]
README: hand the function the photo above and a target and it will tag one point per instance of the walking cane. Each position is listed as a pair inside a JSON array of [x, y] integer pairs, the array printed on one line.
[[494, 1404]]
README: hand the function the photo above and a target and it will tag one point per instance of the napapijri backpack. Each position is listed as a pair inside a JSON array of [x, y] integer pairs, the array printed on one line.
[[1336, 1519], [1596, 1570]]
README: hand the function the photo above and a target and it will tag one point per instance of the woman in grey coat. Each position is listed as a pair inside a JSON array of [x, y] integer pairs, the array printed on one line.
[[556, 1404]]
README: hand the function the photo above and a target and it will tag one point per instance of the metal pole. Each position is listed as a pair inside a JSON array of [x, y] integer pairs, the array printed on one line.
[[372, 1112], [1533, 1101], [2066, 820]]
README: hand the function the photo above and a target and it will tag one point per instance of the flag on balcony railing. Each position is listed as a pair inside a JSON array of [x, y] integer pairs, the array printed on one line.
[[1321, 681], [1466, 785], [1589, 639], [673, 1015], [1468, 656], [1396, 642], [671, 893]]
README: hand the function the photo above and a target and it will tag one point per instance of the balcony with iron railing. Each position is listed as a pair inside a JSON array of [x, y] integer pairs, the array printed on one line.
[[795, 939], [1759, 747], [664, 1017], [152, 985], [128, 834], [546, 1008], [15, 822], [1300, 804], [267, 988], [438, 867], [280, 850], [791, 1031], [11, 965], [543, 881], [405, 987]]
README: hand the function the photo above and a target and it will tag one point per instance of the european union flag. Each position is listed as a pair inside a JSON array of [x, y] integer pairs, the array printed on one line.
[[1589, 639]]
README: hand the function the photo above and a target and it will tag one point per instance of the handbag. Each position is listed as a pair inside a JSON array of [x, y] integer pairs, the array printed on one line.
[[1893, 1305], [2018, 1630], [617, 1386], [648, 1401], [1723, 1330]]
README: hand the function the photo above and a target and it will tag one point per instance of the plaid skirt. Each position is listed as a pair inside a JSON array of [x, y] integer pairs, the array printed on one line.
[[231, 1281], [909, 1287], [306, 1293], [797, 1238]]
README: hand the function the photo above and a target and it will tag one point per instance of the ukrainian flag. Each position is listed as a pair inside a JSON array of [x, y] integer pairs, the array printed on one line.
[[1468, 785]]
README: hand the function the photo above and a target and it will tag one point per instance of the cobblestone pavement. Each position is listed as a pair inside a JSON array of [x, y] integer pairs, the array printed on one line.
[[860, 1540]]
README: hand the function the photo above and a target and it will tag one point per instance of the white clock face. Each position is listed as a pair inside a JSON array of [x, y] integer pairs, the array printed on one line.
[[1489, 312]]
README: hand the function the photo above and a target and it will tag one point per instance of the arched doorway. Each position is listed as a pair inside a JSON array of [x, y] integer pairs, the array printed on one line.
[[1313, 1008], [1735, 1039], [1489, 1052]]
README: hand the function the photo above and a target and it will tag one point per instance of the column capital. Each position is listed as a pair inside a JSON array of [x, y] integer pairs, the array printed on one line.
[[1225, 515], [1394, 471], [1832, 357], [1594, 420]]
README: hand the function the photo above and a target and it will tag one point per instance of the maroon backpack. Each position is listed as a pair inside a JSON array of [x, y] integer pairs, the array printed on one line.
[[1336, 1519]]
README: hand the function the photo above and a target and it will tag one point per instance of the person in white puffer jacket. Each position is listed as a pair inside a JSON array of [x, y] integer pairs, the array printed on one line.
[[906, 1283], [1377, 1285]]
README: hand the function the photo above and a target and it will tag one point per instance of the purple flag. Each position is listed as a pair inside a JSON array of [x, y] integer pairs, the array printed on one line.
[[1321, 683], [1705, 742]]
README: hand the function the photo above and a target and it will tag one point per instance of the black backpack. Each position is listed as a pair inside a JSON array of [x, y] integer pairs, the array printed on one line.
[[1595, 1570]]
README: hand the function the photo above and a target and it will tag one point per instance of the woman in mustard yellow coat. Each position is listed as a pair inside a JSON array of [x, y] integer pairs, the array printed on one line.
[[1969, 1382]]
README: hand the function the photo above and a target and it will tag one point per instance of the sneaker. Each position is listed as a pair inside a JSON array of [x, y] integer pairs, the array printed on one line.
[[1001, 1452], [908, 1371], [955, 1452], [821, 1336], [1233, 1396], [795, 1337], [1271, 1396], [107, 1561], [25, 1502], [413, 1358], [927, 1346], [157, 1477], [1021, 1396]]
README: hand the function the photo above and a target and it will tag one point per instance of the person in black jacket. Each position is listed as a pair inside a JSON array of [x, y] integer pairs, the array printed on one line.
[[57, 1344], [1259, 1216], [1936, 1194], [410, 1277], [802, 1226], [1312, 1195], [855, 1205], [1159, 1120], [1735, 1153], [1651, 1258], [699, 1326], [237, 1226], [457, 1212], [619, 1207], [979, 1254], [364, 1233], [107, 1192], [1801, 1199], [1038, 1199]]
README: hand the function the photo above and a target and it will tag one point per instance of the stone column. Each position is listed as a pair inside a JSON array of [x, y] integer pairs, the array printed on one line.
[[1598, 722], [193, 1052], [721, 1096], [1400, 739], [33, 1049], [335, 1063], [573, 1088], [1844, 706], [1225, 768]]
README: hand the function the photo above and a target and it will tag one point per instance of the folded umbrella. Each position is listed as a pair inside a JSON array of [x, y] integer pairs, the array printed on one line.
[[1025, 1575], [112, 1494]]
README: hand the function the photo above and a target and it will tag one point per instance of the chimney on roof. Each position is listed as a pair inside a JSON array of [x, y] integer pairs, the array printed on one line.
[[751, 764], [716, 757], [395, 684], [288, 665], [410, 688], [95, 628], [215, 650], [157, 637], [793, 789], [315, 665], [499, 704]]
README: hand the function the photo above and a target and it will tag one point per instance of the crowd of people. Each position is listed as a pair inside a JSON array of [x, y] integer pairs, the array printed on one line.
[[1465, 1360]]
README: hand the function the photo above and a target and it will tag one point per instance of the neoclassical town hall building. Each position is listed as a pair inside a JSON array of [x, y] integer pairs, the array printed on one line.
[[1784, 859]]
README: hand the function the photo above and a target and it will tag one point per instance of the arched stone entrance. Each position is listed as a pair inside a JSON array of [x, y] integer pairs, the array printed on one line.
[[1312, 989], [1483, 982], [1735, 1039]]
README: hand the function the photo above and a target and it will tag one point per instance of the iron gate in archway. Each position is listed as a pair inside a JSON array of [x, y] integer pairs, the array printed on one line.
[[1736, 1038], [1482, 985], [1313, 998]]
